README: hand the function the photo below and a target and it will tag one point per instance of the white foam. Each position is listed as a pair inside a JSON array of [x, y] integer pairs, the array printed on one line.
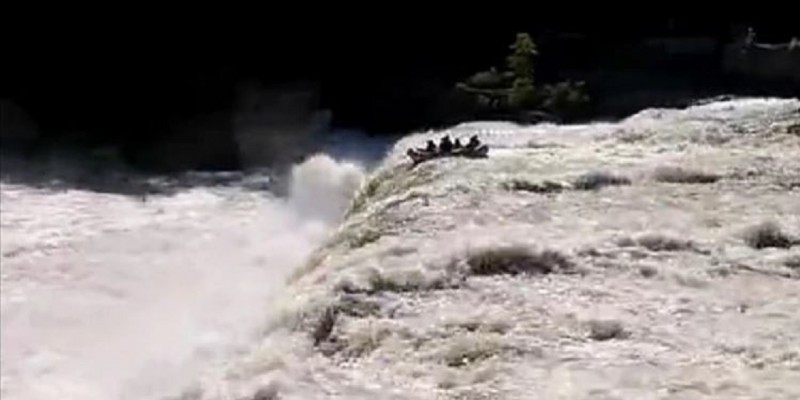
[[528, 335], [111, 297]]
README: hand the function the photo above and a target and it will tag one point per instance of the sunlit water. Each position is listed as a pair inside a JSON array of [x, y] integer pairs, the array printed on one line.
[[392, 307], [110, 296], [107, 296]]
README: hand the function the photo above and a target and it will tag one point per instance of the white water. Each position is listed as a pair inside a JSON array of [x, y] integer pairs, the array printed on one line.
[[713, 319], [106, 296], [119, 299]]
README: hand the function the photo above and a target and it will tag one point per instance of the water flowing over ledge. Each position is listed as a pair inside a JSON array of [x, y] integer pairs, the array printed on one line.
[[118, 286], [654, 257]]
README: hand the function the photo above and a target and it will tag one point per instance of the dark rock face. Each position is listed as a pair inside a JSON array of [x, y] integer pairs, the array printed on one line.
[[265, 127], [278, 125], [771, 63], [203, 142], [17, 128]]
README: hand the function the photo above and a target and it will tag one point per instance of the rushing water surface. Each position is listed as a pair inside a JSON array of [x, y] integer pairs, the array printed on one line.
[[643, 283], [108, 294]]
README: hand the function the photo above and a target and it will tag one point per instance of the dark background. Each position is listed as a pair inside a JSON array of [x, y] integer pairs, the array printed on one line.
[[128, 82]]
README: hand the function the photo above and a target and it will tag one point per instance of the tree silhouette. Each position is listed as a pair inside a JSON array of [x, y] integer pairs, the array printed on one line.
[[523, 92]]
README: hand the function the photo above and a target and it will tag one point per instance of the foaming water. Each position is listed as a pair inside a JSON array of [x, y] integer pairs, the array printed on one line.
[[629, 280], [108, 296]]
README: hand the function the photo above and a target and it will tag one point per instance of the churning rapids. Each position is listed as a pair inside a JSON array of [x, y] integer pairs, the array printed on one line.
[[653, 258], [127, 295]]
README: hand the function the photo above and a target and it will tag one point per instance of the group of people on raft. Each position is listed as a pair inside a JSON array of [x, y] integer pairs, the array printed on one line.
[[447, 147]]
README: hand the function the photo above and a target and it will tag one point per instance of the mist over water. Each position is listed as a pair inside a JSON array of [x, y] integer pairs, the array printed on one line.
[[110, 296]]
